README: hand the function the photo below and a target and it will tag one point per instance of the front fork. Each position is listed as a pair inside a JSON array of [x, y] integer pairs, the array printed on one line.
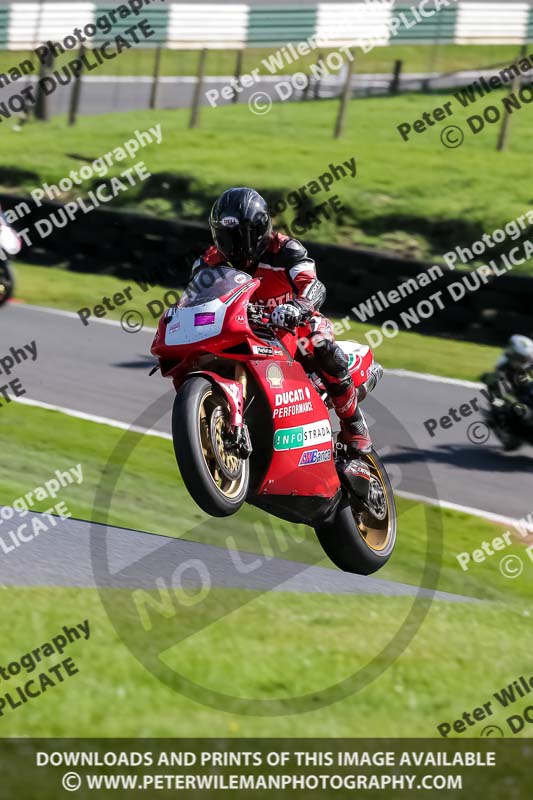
[[240, 436]]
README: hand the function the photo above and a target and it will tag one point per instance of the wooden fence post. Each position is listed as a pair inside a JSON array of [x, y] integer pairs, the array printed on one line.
[[42, 105], [76, 92], [345, 97], [396, 77], [238, 73], [503, 137], [155, 77], [319, 61], [197, 98]]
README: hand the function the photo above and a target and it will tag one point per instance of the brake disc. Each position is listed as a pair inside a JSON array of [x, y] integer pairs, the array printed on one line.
[[229, 464], [377, 500]]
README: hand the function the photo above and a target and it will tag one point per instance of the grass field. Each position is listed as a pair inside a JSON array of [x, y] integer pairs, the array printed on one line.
[[275, 647], [266, 646], [416, 58], [416, 198]]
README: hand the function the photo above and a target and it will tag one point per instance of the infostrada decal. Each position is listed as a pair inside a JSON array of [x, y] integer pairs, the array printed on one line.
[[302, 436], [314, 457]]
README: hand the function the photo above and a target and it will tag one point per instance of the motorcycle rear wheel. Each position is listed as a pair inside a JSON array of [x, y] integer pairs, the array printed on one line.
[[216, 478], [359, 541], [499, 425], [7, 282]]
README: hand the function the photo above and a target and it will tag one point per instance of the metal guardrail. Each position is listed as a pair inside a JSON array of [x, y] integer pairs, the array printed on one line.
[[24, 25]]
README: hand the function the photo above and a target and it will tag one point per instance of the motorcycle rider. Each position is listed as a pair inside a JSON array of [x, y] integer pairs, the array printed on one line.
[[512, 380], [10, 245], [9, 240], [241, 228]]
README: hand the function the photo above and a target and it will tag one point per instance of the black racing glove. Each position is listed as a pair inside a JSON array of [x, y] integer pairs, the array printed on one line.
[[286, 316]]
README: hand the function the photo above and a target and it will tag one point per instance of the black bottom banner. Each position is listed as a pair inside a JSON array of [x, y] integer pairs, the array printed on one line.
[[49, 769]]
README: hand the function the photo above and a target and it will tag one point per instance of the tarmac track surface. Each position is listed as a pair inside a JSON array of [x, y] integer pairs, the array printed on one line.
[[64, 556]]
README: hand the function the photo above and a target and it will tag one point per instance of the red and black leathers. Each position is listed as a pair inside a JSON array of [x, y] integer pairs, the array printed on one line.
[[289, 276]]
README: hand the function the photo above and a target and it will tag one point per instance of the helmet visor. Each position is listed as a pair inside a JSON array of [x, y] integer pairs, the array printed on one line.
[[241, 244]]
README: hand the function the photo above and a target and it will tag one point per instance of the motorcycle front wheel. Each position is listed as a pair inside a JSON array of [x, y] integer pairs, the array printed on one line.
[[216, 477], [7, 282], [362, 540]]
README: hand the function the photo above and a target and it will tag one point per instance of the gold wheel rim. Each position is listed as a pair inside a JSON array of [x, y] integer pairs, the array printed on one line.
[[375, 533]]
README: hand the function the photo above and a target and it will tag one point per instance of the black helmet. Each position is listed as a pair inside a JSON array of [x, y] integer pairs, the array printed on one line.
[[241, 226]]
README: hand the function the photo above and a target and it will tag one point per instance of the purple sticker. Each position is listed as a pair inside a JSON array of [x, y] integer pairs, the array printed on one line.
[[204, 319]]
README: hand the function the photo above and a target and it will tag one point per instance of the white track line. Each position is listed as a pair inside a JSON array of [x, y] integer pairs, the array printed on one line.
[[72, 315], [428, 376], [71, 412], [474, 512], [113, 423]]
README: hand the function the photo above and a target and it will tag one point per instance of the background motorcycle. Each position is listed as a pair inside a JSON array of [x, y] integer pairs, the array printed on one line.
[[7, 282], [10, 244], [249, 424], [510, 422]]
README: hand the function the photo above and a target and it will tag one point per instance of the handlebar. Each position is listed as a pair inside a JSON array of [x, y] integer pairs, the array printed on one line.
[[258, 315]]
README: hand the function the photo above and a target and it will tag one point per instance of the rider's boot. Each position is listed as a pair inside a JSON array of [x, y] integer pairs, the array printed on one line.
[[356, 436], [354, 431]]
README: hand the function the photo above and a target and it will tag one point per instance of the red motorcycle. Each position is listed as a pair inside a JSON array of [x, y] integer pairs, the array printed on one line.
[[249, 424]]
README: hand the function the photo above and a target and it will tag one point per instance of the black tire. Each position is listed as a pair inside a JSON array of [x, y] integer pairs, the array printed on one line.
[[499, 425], [188, 426], [7, 282], [344, 542]]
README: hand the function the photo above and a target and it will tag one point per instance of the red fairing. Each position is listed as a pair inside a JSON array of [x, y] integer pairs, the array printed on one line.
[[233, 392], [303, 459], [360, 369]]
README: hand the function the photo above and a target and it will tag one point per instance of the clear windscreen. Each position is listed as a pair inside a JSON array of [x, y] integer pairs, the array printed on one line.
[[210, 283]]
